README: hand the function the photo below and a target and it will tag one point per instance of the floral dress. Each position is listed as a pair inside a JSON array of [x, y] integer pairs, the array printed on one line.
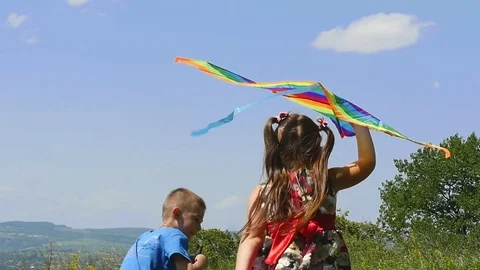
[[320, 249]]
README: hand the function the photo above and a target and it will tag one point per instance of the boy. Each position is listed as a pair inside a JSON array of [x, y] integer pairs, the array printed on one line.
[[167, 247]]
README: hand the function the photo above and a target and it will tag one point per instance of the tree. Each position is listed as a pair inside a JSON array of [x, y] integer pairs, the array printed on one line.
[[358, 230], [432, 192], [220, 247]]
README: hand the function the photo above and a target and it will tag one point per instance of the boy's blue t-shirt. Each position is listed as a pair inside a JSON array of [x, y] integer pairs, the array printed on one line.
[[153, 250]]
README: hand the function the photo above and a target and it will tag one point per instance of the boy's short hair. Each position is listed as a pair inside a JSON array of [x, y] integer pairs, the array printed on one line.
[[184, 199]]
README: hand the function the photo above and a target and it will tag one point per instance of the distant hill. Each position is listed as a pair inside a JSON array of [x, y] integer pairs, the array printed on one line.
[[20, 235]]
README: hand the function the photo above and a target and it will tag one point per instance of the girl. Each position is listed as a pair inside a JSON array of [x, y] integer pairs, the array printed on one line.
[[291, 221]]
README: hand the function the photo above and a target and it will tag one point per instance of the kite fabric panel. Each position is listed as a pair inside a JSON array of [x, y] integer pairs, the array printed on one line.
[[310, 94]]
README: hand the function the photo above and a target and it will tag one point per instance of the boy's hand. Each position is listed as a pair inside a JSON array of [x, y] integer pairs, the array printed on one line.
[[201, 261]]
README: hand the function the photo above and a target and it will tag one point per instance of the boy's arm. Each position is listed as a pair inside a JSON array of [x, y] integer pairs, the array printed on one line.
[[180, 262], [176, 250], [183, 264]]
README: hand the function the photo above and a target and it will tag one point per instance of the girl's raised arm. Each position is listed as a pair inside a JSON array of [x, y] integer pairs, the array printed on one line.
[[354, 173]]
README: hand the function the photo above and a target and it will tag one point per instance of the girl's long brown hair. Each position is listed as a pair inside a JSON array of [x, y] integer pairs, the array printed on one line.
[[295, 144]]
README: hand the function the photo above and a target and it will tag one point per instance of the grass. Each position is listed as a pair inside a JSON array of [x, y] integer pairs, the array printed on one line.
[[417, 252], [426, 250]]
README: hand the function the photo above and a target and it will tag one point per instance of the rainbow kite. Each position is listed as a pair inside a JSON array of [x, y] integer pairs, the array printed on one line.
[[313, 95]]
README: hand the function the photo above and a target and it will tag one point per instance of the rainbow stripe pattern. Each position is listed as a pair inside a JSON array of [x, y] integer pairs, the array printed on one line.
[[310, 94]]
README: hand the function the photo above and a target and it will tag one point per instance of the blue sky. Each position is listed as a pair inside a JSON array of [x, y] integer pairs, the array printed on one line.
[[95, 117]]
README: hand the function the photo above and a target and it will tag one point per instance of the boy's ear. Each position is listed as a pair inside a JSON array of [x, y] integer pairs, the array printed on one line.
[[176, 211]]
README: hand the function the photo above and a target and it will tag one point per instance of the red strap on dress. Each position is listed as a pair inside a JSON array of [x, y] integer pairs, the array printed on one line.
[[282, 234]]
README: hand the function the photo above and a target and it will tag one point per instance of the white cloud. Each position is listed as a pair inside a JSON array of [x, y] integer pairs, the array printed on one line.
[[30, 36], [227, 202], [32, 40], [76, 2], [374, 33], [8, 193], [4, 188], [108, 200], [436, 84], [90, 11], [14, 20], [69, 206]]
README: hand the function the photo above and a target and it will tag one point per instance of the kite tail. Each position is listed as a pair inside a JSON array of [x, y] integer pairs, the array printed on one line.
[[445, 150], [238, 110], [303, 98]]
